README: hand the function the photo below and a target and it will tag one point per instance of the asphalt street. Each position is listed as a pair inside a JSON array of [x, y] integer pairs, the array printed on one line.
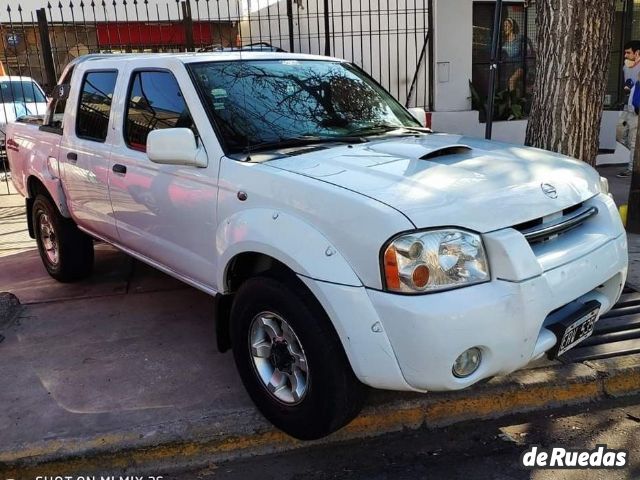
[[476, 450]]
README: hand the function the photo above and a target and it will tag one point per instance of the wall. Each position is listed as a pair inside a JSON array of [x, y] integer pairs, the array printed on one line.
[[468, 123], [452, 49]]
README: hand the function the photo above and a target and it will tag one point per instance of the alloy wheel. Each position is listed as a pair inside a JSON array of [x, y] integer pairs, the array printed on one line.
[[49, 238], [278, 358]]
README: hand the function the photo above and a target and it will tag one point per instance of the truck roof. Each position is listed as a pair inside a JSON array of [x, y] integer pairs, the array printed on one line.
[[204, 56]]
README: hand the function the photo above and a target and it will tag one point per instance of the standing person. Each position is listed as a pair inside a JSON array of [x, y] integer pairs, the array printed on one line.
[[628, 120], [516, 50], [512, 52]]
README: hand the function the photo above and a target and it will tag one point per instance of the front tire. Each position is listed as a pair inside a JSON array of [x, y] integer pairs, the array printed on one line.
[[66, 252], [291, 360]]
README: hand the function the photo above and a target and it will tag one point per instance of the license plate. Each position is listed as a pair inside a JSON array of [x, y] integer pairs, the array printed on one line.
[[576, 328]]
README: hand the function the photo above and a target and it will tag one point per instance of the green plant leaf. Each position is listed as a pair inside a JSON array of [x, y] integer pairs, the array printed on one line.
[[517, 111], [477, 102], [502, 111]]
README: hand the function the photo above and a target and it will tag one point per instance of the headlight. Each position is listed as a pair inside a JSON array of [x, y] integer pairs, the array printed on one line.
[[604, 185], [434, 260]]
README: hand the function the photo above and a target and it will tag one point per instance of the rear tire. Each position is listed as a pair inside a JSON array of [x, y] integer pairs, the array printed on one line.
[[279, 332], [66, 252]]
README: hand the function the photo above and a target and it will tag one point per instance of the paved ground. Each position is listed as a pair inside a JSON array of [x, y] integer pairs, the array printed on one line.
[[128, 356], [130, 346], [619, 187], [14, 237]]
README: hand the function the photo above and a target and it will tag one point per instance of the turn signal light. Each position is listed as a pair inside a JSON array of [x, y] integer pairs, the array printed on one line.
[[391, 273]]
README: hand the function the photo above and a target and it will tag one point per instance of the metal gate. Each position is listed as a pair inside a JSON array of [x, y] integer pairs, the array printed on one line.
[[391, 40]]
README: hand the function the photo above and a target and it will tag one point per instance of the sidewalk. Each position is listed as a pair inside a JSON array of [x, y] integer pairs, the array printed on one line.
[[619, 188], [121, 372], [14, 237]]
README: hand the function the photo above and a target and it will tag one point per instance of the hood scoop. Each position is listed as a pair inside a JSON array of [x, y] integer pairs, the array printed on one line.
[[444, 151]]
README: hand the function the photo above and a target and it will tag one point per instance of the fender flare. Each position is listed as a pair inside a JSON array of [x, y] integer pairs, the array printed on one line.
[[40, 170], [284, 237]]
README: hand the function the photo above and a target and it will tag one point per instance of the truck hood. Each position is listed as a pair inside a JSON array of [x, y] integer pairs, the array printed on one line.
[[451, 180]]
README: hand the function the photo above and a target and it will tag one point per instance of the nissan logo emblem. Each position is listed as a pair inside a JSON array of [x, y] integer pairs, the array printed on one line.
[[549, 190]]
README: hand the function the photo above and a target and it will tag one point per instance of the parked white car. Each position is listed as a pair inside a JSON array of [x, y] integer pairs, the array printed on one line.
[[346, 245], [19, 96]]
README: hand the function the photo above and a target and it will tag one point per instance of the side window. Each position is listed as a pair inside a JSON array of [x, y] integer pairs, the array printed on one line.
[[155, 101], [94, 109]]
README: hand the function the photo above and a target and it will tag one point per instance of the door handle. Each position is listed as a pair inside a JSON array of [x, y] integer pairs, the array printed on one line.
[[121, 169], [72, 156]]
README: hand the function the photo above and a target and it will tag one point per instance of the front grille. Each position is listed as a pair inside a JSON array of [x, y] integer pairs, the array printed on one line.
[[546, 228]]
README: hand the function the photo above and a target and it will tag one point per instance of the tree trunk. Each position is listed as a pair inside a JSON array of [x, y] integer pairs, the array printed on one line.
[[572, 62]]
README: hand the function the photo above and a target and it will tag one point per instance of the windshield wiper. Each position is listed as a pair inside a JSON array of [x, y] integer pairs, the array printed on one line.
[[302, 142], [418, 129], [377, 129]]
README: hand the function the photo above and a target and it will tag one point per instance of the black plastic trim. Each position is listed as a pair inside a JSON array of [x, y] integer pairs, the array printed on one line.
[[561, 225]]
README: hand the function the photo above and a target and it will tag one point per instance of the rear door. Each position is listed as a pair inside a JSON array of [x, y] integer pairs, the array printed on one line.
[[85, 150]]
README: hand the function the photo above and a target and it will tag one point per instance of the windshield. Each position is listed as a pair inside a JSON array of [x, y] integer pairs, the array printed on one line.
[[16, 91], [262, 103]]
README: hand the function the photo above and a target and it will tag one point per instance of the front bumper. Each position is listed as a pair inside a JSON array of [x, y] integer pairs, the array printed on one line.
[[386, 335], [505, 319]]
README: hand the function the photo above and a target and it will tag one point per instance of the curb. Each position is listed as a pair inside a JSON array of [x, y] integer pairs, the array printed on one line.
[[246, 434]]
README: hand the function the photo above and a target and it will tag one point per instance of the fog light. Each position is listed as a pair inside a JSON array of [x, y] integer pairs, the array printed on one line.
[[467, 363]]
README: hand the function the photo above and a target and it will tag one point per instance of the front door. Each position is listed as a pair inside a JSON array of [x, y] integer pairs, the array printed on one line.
[[165, 212]]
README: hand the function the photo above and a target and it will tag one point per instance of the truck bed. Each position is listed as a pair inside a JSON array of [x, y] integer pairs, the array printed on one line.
[[28, 150]]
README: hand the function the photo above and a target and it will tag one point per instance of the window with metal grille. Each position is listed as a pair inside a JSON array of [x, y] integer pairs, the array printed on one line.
[[516, 58], [523, 57]]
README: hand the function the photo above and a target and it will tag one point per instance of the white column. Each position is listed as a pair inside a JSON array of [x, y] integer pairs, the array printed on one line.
[[453, 25]]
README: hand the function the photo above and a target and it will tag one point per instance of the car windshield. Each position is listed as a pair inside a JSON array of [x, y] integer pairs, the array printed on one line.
[[16, 91], [262, 104]]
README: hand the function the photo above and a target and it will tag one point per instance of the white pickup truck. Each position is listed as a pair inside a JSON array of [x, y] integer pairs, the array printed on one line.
[[346, 245]]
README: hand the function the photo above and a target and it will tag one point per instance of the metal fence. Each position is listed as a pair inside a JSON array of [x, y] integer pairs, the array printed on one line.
[[391, 40]]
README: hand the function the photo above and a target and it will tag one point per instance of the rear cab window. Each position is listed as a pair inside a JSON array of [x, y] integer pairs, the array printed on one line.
[[154, 101], [94, 106]]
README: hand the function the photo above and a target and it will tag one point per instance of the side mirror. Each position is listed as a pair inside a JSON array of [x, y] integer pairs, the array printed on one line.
[[420, 115], [175, 146]]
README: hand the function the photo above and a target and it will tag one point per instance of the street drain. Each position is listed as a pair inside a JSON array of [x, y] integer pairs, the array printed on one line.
[[616, 333]]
